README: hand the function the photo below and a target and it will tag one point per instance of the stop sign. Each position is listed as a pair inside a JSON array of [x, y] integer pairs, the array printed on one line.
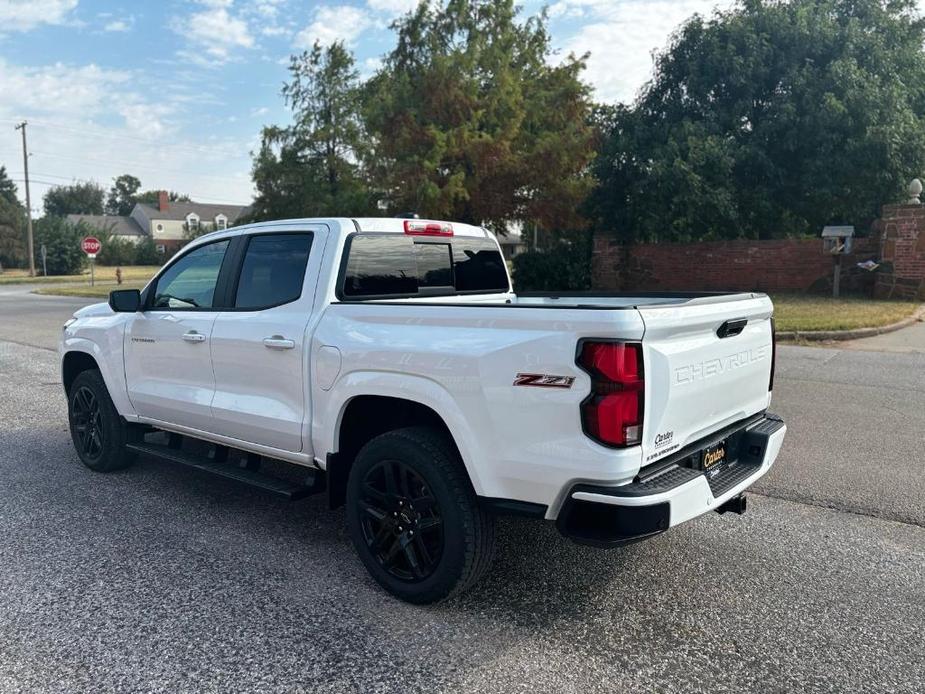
[[91, 245]]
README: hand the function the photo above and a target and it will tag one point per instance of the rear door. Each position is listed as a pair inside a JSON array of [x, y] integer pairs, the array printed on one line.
[[259, 344], [168, 366], [707, 365]]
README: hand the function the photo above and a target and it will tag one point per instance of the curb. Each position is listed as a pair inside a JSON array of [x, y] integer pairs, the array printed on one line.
[[838, 335]]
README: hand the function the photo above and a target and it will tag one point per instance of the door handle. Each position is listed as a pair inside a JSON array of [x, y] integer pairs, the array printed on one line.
[[278, 342], [193, 336]]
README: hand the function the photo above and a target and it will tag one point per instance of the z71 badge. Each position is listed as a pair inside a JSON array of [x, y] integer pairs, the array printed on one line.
[[543, 381]]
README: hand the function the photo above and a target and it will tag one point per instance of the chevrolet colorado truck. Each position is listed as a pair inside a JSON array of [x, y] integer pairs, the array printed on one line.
[[389, 364]]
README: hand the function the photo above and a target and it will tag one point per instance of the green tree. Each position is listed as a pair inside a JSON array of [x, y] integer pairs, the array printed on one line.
[[115, 250], [313, 168], [122, 195], [62, 242], [146, 253], [472, 121], [150, 197], [84, 197], [12, 224], [771, 119], [7, 187]]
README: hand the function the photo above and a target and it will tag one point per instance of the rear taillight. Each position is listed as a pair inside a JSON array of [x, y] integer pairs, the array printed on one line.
[[612, 413], [773, 355], [421, 227]]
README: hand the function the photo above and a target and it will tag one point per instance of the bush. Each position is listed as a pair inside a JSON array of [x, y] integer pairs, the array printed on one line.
[[116, 251], [62, 244], [564, 267], [146, 253]]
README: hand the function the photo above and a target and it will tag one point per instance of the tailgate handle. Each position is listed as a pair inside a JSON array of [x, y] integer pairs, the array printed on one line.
[[731, 327]]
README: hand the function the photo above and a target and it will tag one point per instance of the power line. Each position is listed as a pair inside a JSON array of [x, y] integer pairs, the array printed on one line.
[[134, 166], [193, 196], [160, 144]]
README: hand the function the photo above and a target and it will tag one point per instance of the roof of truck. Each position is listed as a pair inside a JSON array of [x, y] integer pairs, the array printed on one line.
[[385, 225]]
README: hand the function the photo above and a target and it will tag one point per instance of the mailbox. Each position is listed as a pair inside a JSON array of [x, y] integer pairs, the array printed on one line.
[[837, 240]]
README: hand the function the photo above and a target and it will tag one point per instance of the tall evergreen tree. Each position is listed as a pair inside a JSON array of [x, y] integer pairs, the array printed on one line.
[[12, 223], [314, 167], [472, 122]]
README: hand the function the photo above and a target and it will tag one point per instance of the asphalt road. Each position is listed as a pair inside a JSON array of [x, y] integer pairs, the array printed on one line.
[[159, 579]]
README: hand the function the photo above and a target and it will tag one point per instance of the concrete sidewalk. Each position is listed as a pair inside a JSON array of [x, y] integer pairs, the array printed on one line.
[[908, 340]]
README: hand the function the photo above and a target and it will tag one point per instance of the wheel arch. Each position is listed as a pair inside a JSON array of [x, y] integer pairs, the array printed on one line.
[[363, 416], [80, 354], [73, 363]]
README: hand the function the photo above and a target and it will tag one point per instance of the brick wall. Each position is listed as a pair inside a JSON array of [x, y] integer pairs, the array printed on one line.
[[902, 274], [795, 265]]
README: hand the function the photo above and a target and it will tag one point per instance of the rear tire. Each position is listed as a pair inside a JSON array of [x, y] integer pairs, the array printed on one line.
[[414, 518], [98, 431]]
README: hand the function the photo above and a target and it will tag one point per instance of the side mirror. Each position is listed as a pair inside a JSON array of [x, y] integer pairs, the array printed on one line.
[[125, 300]]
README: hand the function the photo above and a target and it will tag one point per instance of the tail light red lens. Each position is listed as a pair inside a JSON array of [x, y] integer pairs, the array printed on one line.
[[612, 414], [420, 227]]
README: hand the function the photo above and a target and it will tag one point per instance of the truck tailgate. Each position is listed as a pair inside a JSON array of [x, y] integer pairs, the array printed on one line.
[[707, 365]]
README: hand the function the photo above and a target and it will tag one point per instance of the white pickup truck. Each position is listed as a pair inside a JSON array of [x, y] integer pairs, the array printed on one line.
[[387, 363]]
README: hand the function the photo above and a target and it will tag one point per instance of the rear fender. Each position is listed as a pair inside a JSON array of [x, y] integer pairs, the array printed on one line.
[[326, 426]]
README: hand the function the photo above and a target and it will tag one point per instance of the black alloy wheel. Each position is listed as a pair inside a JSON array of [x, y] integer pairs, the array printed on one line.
[[401, 521], [98, 431], [86, 424], [414, 518]]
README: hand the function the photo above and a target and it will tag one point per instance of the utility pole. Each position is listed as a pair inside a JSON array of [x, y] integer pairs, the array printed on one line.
[[25, 167]]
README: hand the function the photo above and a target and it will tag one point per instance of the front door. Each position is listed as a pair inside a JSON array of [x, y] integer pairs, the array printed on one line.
[[259, 350], [168, 364]]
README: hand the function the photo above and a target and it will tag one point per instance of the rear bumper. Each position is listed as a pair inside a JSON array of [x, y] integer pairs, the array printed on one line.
[[673, 493]]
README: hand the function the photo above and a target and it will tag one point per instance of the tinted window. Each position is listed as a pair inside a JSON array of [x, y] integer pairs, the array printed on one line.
[[380, 265], [479, 266], [389, 265], [190, 282], [273, 270], [433, 264]]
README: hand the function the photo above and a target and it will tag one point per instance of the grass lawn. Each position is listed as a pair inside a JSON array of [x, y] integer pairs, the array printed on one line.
[[794, 312], [130, 273], [99, 290]]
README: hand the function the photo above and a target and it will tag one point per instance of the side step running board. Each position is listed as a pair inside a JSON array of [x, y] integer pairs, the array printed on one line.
[[268, 483]]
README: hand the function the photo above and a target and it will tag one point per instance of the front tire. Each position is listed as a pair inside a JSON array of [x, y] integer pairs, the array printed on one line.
[[98, 431], [414, 519]]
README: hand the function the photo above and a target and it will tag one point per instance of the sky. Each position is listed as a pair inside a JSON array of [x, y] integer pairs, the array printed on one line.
[[175, 92]]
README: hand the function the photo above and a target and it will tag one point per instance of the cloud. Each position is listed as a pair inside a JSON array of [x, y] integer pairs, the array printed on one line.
[[23, 15], [87, 122], [393, 7], [213, 32], [621, 37], [334, 23], [119, 25]]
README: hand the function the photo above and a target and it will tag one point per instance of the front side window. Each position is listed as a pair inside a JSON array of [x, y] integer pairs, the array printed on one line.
[[273, 270], [190, 282]]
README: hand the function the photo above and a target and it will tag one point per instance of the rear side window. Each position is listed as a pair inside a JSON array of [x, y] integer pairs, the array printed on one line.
[[273, 270], [394, 265], [479, 267]]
